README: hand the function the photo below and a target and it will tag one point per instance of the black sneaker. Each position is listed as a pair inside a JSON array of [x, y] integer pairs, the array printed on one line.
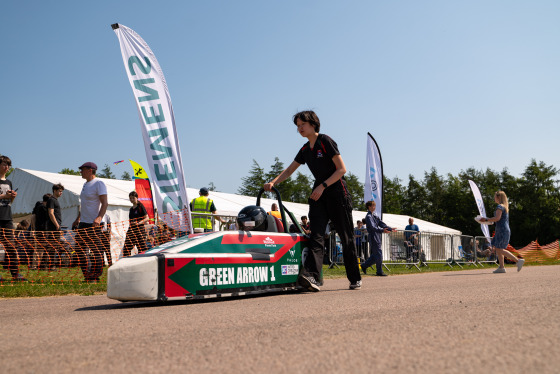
[[309, 282], [356, 286], [364, 269], [381, 274]]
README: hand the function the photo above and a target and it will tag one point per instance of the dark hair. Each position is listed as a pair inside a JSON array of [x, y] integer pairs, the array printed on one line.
[[370, 203], [303, 217], [308, 116], [46, 197], [57, 187], [133, 193], [6, 159], [23, 225]]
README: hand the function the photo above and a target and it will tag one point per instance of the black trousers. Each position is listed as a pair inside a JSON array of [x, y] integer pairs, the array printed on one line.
[[7, 238], [134, 237], [334, 205], [53, 247], [89, 238]]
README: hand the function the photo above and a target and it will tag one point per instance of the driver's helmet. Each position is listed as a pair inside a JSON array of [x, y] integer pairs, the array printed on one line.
[[252, 218]]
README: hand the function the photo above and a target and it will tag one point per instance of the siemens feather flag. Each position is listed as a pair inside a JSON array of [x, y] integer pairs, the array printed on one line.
[[158, 126], [481, 209], [373, 188]]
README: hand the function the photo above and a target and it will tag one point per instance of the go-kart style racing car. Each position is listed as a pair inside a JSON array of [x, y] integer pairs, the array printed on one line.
[[261, 257]]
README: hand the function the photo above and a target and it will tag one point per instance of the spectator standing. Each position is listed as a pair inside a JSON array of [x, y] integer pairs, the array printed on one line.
[[328, 200], [136, 234], [358, 234], [7, 196], [93, 205], [305, 225], [40, 214], [39, 225], [23, 243], [375, 227], [274, 211], [232, 226], [412, 232], [54, 222], [106, 238], [503, 232], [201, 209]]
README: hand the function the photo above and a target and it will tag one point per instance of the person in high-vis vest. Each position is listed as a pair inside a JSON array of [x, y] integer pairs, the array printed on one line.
[[274, 211], [202, 209]]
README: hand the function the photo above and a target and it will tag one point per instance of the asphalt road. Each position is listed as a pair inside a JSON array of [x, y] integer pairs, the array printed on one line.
[[454, 322]]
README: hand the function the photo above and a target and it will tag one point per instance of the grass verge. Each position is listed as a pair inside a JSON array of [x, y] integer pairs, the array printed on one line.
[[69, 281]]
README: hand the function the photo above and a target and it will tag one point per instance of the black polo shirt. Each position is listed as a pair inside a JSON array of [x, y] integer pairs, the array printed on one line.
[[41, 216], [319, 158], [5, 204], [138, 212], [53, 203]]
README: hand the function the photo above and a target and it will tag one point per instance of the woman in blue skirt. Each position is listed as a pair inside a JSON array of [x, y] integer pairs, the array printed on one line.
[[503, 232]]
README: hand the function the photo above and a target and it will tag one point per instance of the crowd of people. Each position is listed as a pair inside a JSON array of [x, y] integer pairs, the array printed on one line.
[[329, 204], [41, 244]]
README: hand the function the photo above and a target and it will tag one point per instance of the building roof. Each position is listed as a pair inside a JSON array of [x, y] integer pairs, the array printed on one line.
[[32, 184]]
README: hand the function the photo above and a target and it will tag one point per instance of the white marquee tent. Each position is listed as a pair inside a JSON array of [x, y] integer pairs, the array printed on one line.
[[33, 184]]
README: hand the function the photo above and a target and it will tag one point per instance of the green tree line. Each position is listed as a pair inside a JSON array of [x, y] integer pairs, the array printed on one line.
[[534, 197], [296, 190]]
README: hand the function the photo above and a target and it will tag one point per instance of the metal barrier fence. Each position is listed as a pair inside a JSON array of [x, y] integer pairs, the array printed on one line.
[[483, 251], [437, 248], [464, 250], [333, 249], [401, 247], [47, 257]]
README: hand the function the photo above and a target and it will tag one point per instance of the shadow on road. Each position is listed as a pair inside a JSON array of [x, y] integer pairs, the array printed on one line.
[[157, 304]]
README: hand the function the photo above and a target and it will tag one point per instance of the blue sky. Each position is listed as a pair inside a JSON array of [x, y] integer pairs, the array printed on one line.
[[445, 84]]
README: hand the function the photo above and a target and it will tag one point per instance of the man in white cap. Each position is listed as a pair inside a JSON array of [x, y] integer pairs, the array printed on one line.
[[93, 205]]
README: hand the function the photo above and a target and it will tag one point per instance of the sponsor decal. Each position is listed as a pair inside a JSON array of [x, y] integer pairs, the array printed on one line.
[[221, 276], [269, 242], [319, 154], [292, 259], [373, 183], [290, 269]]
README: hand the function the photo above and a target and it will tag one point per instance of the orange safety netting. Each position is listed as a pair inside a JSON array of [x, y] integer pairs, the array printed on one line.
[[59, 257], [534, 252]]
